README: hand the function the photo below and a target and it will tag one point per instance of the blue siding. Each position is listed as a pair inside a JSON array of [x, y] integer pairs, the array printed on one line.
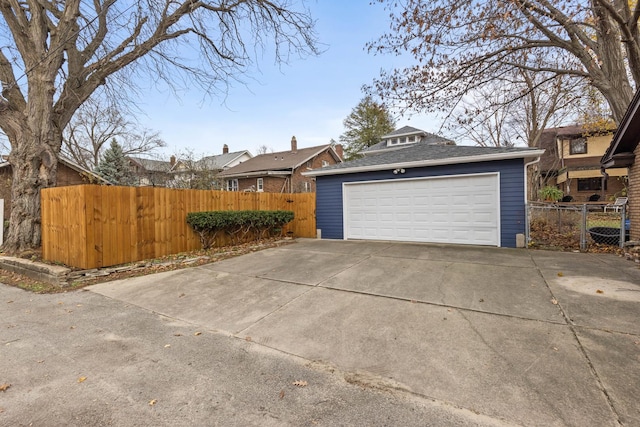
[[329, 207]]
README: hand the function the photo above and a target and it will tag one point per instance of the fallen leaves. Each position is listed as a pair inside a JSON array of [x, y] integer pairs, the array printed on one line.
[[197, 334], [153, 402], [5, 386], [599, 291], [300, 383], [82, 379], [560, 274], [281, 394], [149, 266], [554, 301]]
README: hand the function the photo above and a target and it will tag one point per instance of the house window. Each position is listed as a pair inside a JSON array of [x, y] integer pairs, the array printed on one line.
[[260, 184], [309, 164], [325, 163], [393, 141], [590, 184], [306, 187], [232, 185], [578, 146], [411, 138]]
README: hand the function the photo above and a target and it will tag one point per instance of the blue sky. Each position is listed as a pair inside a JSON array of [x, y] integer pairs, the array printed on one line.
[[307, 98]]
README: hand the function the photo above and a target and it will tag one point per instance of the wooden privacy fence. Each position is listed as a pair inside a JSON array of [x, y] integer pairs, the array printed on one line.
[[89, 226]]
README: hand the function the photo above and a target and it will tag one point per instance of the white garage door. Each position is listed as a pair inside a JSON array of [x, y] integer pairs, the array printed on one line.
[[461, 209]]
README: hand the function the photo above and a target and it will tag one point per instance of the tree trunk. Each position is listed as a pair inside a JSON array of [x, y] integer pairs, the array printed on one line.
[[614, 82], [34, 164]]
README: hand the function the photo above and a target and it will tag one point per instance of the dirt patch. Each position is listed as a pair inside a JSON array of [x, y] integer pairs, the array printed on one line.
[[141, 268]]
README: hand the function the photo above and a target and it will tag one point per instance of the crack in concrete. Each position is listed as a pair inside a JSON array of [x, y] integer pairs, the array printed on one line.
[[572, 328]]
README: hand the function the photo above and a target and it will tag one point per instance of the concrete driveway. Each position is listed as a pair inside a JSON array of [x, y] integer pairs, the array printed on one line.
[[455, 335]]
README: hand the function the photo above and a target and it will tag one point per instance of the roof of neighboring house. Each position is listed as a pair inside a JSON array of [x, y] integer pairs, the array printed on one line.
[[550, 160], [427, 138], [152, 165], [625, 140], [70, 164], [220, 161], [282, 162], [404, 130], [421, 155], [571, 130]]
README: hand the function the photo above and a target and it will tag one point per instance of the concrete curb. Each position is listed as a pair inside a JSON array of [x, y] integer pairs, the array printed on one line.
[[54, 274]]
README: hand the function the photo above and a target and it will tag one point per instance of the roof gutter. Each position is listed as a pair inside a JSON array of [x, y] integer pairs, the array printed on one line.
[[257, 173], [428, 163]]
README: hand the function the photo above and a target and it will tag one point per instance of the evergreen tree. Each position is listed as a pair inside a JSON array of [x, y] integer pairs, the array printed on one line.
[[365, 125], [114, 166]]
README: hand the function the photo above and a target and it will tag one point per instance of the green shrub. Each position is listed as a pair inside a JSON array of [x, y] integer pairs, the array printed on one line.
[[551, 193], [237, 224]]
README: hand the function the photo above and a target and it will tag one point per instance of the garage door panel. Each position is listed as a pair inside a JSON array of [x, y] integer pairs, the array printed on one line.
[[463, 209]]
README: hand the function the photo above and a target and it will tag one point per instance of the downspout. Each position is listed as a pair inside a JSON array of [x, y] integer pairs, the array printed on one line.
[[603, 183], [291, 182]]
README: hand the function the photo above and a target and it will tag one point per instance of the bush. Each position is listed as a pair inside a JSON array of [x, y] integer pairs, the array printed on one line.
[[237, 224], [551, 193]]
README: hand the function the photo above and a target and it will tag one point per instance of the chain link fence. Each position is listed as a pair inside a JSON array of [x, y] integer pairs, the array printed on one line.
[[573, 226]]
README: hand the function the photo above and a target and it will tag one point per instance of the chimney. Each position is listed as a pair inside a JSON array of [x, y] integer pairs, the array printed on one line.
[[225, 149], [294, 144], [339, 150], [172, 160]]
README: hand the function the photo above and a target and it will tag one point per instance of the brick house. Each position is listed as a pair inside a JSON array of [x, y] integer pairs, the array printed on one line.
[[281, 172], [69, 173], [624, 152], [571, 162]]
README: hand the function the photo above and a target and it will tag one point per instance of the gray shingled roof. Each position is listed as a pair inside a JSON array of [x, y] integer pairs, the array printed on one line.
[[152, 165], [280, 161], [403, 131], [425, 152], [218, 162], [427, 138]]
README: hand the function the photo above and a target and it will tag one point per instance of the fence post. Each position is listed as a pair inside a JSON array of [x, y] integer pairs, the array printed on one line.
[[623, 231], [1, 222], [527, 225], [583, 229]]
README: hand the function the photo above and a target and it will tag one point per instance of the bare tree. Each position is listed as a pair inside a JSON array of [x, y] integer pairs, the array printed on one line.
[[91, 129], [263, 149], [194, 171], [97, 122], [462, 46], [515, 110], [56, 54]]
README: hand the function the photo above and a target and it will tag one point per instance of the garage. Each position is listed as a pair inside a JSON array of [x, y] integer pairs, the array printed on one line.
[[460, 209], [426, 193]]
